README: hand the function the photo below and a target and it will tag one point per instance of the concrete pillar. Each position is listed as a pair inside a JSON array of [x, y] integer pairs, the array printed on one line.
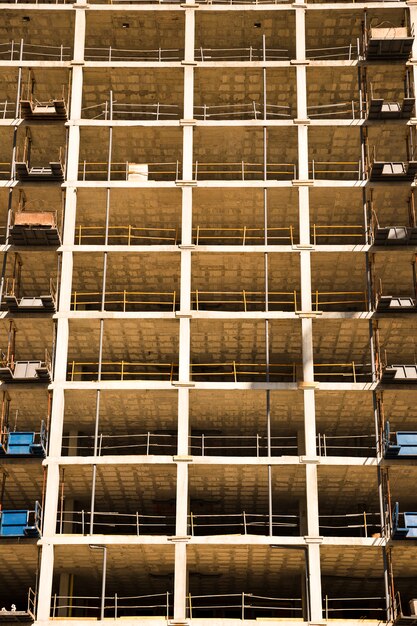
[[183, 421], [45, 583], [316, 610], [180, 580], [57, 413]]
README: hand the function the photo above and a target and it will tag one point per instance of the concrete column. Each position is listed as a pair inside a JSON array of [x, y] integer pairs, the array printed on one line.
[[189, 33], [316, 609], [301, 80], [304, 215], [307, 342], [314, 546], [61, 352], [302, 152], [184, 353], [300, 43], [187, 166], [79, 33], [309, 422], [45, 583], [188, 92], [305, 274], [180, 581], [183, 421]]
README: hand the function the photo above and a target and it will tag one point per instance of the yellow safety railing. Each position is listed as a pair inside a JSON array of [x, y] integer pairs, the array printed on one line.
[[205, 300], [244, 299], [350, 370], [128, 234], [243, 169], [244, 235], [237, 370], [123, 299], [337, 231], [119, 169], [335, 168], [229, 371], [120, 370], [322, 299]]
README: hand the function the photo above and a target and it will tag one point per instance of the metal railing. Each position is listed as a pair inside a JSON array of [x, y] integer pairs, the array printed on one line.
[[338, 233], [229, 371], [123, 54], [120, 370], [349, 52], [125, 235], [243, 372], [31, 606], [112, 522], [242, 523], [343, 110], [253, 110], [23, 51], [357, 524], [343, 372], [250, 53], [124, 300], [350, 170], [243, 606], [9, 360], [132, 443], [136, 111], [244, 300], [346, 445], [242, 170], [339, 300], [115, 606], [369, 607], [242, 236], [204, 300], [241, 445], [13, 287], [99, 170], [201, 235], [7, 109]]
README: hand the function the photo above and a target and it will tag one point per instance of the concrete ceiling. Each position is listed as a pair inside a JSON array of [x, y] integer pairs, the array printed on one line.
[[146, 208], [147, 31], [131, 87], [32, 338], [240, 30], [158, 273], [18, 572], [131, 340], [131, 570], [33, 31], [23, 483], [147, 489]]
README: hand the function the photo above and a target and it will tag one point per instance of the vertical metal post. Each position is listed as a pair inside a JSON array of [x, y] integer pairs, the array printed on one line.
[[264, 74], [268, 392], [96, 429]]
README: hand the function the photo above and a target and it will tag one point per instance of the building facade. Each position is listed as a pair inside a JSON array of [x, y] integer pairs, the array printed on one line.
[[208, 302]]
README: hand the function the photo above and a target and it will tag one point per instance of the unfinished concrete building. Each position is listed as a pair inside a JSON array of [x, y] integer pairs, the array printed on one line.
[[208, 301]]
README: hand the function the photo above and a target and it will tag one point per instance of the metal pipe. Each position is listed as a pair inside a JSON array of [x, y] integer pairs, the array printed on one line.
[[103, 578]]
